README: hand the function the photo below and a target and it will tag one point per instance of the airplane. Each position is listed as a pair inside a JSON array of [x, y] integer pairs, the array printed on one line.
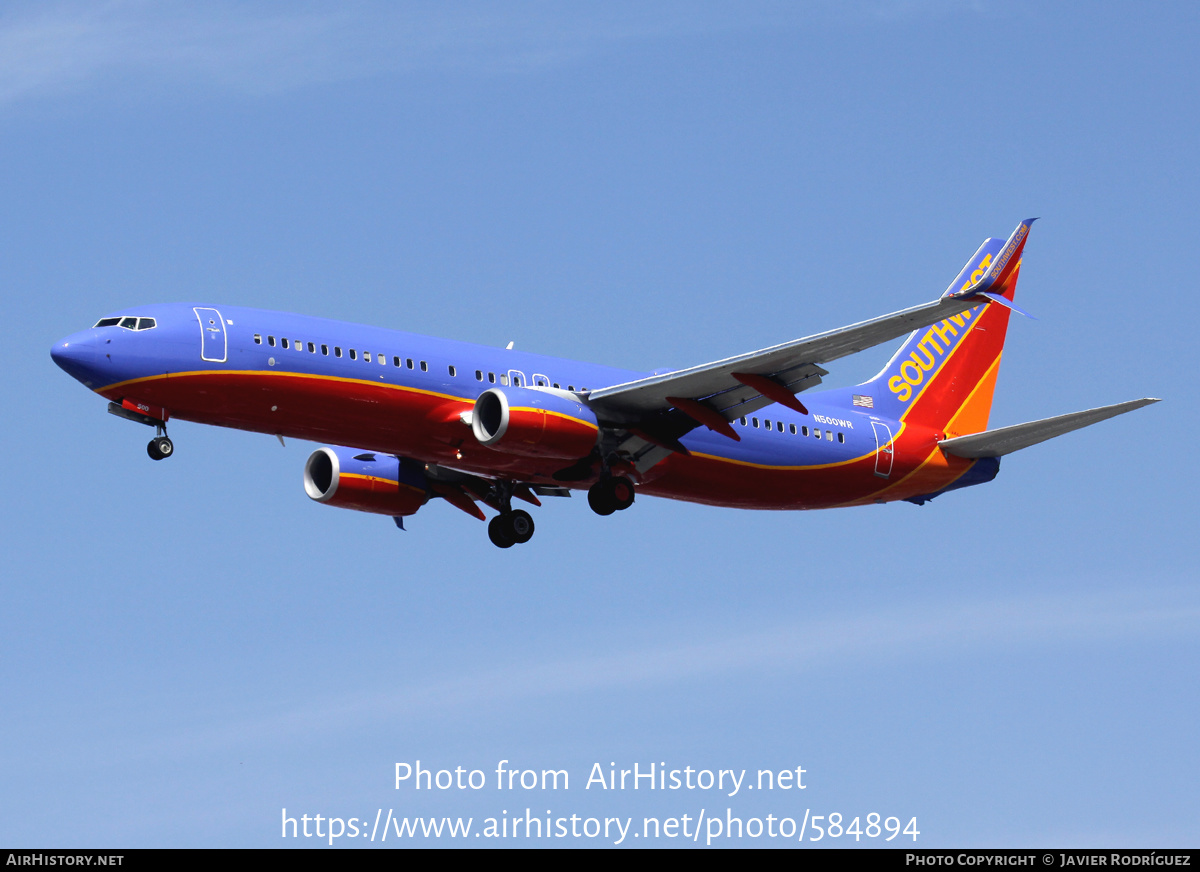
[[411, 418]]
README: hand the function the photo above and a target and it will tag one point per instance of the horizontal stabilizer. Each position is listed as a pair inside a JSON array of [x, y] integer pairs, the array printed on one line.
[[1006, 440]]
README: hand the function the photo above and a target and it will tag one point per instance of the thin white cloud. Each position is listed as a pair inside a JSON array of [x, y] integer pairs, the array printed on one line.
[[56, 47], [780, 650], [67, 46]]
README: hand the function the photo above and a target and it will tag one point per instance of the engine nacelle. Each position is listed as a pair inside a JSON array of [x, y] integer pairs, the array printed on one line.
[[534, 423], [366, 482]]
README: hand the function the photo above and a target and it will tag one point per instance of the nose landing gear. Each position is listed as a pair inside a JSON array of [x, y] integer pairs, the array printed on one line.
[[160, 447]]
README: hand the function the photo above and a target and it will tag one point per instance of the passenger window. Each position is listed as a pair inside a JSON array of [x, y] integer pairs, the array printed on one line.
[[297, 344], [283, 342], [754, 421], [767, 423], [452, 372], [352, 355], [479, 375], [492, 377], [803, 431], [325, 350], [556, 386], [841, 437], [571, 387], [258, 339], [516, 380], [382, 358], [817, 433], [503, 378], [829, 435], [312, 348], [337, 351], [408, 360], [366, 356], [792, 427], [271, 341], [396, 361]]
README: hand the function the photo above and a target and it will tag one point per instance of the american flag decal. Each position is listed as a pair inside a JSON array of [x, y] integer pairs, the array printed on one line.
[[865, 402]]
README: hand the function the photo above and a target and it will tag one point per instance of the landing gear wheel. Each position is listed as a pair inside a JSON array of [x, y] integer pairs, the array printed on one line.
[[610, 495], [622, 492], [499, 533], [520, 526], [160, 447], [601, 499]]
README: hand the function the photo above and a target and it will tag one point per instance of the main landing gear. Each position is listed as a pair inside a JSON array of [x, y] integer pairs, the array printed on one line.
[[510, 528], [611, 494]]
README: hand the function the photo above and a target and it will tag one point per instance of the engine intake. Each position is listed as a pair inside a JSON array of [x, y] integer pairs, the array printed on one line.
[[365, 482], [534, 423]]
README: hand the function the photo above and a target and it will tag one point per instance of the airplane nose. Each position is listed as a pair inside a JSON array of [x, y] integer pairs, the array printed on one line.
[[77, 356]]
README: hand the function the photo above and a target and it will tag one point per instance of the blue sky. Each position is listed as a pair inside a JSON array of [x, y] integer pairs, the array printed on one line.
[[193, 645]]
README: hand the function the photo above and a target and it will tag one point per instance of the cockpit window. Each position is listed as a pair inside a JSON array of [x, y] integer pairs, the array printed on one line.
[[129, 323]]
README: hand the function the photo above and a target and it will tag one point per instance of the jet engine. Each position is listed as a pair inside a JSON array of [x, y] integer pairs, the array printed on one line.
[[366, 482], [534, 423]]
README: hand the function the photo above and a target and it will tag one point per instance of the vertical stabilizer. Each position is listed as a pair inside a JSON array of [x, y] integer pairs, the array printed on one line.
[[944, 375]]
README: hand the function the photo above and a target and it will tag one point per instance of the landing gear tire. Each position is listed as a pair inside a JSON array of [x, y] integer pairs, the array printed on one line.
[[600, 499], [499, 534], [510, 528], [160, 447], [611, 495], [520, 526]]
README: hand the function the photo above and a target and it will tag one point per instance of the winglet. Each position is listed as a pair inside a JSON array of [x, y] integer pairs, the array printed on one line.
[[1000, 268], [996, 298]]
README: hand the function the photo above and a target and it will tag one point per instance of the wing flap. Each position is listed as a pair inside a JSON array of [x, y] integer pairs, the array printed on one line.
[[1006, 440]]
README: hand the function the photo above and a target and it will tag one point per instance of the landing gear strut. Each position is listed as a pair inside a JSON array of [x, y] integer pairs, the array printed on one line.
[[611, 494], [511, 526]]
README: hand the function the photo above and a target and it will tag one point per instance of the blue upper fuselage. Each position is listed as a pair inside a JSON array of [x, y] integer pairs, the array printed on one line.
[[181, 338]]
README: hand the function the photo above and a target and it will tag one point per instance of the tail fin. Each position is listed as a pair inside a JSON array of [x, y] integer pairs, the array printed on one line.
[[943, 376]]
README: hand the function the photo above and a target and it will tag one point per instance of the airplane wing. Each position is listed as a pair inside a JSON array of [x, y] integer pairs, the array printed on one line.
[[1006, 440], [792, 367], [644, 419], [719, 392]]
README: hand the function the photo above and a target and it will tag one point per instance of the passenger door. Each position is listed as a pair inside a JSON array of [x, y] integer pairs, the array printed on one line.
[[214, 344]]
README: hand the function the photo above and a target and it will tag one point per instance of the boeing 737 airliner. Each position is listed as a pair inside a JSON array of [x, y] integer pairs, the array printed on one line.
[[412, 418]]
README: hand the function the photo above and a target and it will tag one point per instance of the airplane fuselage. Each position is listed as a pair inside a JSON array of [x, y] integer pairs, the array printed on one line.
[[410, 395]]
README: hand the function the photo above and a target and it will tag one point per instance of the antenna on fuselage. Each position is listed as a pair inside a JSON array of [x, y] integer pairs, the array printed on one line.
[[508, 347]]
